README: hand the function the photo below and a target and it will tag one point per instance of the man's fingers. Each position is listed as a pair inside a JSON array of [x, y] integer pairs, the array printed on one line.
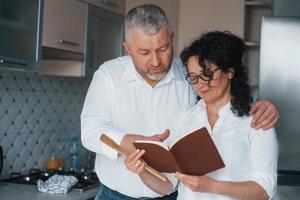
[[135, 156], [164, 135], [160, 137], [258, 114], [265, 116], [255, 107], [268, 123], [141, 167], [137, 159], [267, 120]]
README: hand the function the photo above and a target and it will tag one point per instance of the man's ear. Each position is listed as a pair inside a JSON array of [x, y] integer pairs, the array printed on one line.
[[230, 73], [127, 49]]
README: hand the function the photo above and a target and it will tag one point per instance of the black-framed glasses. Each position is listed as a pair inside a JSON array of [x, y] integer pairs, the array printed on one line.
[[206, 75]]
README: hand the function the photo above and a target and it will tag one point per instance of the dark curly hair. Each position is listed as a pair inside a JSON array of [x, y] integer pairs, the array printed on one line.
[[226, 51]]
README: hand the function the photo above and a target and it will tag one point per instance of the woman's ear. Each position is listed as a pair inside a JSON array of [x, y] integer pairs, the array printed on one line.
[[230, 73]]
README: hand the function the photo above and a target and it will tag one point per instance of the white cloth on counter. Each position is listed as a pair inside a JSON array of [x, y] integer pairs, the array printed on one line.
[[57, 184]]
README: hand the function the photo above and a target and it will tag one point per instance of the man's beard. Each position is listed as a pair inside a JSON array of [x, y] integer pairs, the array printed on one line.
[[156, 77]]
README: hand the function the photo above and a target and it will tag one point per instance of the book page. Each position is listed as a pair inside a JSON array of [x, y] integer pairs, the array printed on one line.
[[164, 145]]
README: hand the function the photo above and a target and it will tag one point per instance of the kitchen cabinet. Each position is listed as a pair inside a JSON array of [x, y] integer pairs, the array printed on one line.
[[286, 8], [254, 11], [198, 16], [64, 36], [116, 6], [64, 25], [105, 35], [20, 34]]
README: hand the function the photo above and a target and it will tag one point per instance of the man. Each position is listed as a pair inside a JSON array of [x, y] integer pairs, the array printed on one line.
[[135, 96]]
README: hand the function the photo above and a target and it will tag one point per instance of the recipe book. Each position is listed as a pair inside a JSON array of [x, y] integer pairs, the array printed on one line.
[[193, 154]]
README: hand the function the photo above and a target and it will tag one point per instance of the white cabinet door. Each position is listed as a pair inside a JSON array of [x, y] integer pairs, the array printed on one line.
[[64, 24]]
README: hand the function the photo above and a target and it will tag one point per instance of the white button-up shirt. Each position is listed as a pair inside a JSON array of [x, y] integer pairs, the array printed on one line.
[[120, 102], [248, 154]]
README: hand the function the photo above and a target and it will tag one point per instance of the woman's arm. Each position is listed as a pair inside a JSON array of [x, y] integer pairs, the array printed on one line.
[[262, 181], [249, 190], [135, 164]]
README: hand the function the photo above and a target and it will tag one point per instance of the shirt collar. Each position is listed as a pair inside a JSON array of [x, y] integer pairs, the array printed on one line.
[[130, 72], [223, 111]]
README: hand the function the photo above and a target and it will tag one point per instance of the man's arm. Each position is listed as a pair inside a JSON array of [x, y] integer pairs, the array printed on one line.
[[127, 141], [96, 118], [265, 115]]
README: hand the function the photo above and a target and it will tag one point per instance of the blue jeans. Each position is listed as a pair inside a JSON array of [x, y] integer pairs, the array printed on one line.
[[107, 194]]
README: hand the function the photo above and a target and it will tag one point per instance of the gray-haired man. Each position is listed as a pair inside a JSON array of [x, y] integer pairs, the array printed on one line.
[[132, 97]]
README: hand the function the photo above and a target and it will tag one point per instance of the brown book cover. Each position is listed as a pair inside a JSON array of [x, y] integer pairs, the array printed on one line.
[[194, 154]]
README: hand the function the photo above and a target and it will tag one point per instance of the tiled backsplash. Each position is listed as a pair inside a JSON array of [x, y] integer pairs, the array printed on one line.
[[38, 115]]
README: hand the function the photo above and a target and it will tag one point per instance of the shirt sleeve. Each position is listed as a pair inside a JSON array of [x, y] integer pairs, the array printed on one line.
[[96, 116], [264, 157]]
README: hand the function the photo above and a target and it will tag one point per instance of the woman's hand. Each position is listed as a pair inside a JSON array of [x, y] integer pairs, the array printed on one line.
[[197, 183], [134, 163]]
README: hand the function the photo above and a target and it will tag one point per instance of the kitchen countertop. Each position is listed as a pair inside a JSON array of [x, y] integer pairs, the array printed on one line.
[[16, 191]]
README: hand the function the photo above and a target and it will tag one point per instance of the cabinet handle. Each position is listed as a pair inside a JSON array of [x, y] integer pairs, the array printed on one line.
[[68, 43], [12, 62]]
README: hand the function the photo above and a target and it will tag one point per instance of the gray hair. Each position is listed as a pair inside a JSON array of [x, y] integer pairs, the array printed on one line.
[[147, 17]]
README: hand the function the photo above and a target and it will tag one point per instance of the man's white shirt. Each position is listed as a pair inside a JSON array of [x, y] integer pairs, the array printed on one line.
[[120, 102]]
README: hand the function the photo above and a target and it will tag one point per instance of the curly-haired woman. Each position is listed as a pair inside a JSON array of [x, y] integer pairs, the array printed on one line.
[[217, 74]]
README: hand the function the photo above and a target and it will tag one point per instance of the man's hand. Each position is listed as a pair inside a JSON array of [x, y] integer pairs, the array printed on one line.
[[127, 141], [159, 137], [265, 115], [134, 161]]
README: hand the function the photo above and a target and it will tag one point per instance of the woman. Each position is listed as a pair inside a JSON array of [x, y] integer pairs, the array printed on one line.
[[216, 72]]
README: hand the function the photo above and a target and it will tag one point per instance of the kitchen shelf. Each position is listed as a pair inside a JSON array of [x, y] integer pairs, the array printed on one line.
[[257, 4]]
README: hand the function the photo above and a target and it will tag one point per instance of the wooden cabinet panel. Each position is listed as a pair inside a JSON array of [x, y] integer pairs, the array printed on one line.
[[64, 24]]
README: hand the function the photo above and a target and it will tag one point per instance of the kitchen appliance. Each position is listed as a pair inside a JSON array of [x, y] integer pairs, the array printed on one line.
[[280, 81], [86, 180]]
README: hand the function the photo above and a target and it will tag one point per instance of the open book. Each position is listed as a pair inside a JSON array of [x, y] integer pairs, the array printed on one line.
[[194, 154]]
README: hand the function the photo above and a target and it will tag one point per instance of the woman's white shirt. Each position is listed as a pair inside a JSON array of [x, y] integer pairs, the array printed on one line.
[[248, 154]]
